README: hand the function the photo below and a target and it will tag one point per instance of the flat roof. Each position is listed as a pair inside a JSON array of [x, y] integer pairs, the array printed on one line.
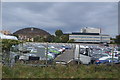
[[78, 33]]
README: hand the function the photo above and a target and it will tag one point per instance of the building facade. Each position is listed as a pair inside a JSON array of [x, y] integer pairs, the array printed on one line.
[[89, 38], [90, 35], [90, 30]]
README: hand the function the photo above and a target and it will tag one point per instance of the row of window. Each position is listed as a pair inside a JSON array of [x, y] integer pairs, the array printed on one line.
[[105, 40], [86, 40], [82, 37], [87, 37], [92, 40]]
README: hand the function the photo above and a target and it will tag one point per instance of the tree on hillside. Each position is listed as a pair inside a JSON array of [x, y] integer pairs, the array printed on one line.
[[71, 40], [49, 38], [7, 43], [57, 39], [39, 39], [58, 33], [64, 38], [53, 38], [15, 35], [117, 40]]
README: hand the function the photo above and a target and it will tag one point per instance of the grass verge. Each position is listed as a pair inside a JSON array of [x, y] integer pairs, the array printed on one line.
[[59, 71]]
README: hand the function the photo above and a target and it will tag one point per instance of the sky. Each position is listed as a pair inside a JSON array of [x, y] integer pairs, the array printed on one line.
[[67, 16]]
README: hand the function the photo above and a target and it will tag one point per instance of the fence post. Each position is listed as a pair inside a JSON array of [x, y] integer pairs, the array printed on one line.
[[46, 53], [112, 54], [79, 56], [73, 50]]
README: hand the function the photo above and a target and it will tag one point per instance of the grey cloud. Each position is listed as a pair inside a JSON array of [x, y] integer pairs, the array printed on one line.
[[69, 17]]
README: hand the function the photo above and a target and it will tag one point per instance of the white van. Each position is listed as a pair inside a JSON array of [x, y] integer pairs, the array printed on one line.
[[82, 54]]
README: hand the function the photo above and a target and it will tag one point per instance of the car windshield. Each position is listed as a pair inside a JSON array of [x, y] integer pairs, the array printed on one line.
[[104, 55], [100, 55], [111, 59], [82, 50]]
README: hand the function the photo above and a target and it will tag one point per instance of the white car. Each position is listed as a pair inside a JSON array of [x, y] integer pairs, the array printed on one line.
[[61, 49], [103, 58], [107, 60], [26, 56], [50, 55]]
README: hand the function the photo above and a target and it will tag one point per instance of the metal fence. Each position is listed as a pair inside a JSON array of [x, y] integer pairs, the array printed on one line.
[[11, 59]]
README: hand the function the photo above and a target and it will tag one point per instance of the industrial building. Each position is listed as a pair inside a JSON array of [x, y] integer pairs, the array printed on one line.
[[90, 35]]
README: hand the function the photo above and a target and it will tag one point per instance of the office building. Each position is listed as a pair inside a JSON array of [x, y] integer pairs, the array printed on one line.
[[90, 35], [90, 30]]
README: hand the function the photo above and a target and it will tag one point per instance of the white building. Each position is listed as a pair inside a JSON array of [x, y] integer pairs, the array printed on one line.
[[2, 36], [90, 35], [89, 38], [90, 30]]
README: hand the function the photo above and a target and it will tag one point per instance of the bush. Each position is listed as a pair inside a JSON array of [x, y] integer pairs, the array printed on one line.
[[7, 43]]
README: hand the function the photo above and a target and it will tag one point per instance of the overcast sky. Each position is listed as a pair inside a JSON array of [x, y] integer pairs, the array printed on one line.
[[67, 16]]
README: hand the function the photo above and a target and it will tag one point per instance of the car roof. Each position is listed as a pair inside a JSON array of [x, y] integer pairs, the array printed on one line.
[[103, 58]]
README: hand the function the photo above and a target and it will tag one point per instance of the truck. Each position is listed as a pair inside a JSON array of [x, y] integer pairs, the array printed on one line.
[[82, 54]]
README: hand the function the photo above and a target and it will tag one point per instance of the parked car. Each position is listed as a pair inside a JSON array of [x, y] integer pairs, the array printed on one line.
[[53, 50], [51, 55], [26, 57], [61, 50], [97, 56], [66, 47], [107, 60]]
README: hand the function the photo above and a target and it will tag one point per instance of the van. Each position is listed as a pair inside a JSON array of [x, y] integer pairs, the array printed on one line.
[[82, 54]]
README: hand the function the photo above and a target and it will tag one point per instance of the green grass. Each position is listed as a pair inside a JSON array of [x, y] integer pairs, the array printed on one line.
[[59, 71]]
